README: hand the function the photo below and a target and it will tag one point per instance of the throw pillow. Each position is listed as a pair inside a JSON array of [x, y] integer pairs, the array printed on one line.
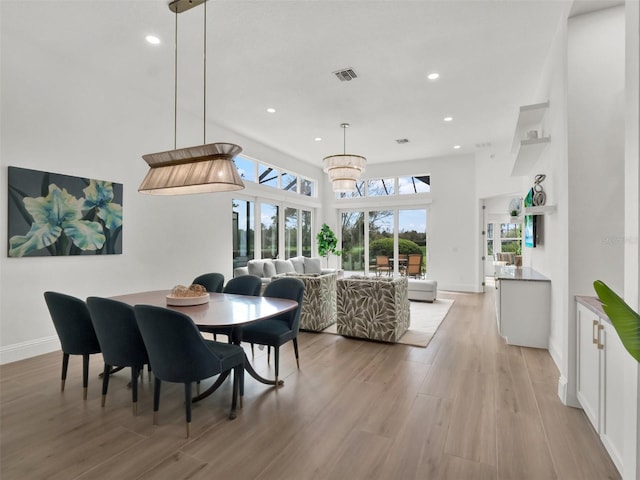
[[312, 265], [284, 266], [298, 264], [269, 269], [256, 267]]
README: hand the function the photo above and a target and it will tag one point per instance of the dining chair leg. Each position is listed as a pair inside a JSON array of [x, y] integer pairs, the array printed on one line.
[[148, 371], [156, 399], [276, 356], [187, 405], [241, 388], [268, 353], [252, 353], [65, 366], [234, 394], [85, 375], [105, 383], [135, 371], [295, 350]]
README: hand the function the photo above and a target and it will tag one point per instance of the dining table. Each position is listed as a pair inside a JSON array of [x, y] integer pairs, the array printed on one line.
[[225, 310]]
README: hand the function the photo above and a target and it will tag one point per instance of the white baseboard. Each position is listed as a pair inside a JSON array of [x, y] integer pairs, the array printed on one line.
[[555, 355], [461, 287], [32, 348]]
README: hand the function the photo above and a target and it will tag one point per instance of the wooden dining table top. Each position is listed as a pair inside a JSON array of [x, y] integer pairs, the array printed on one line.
[[222, 309]]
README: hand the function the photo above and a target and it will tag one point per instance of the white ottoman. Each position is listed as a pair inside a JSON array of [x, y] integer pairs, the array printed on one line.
[[425, 290]]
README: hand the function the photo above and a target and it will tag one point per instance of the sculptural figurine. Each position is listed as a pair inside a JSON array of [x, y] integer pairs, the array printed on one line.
[[539, 197]]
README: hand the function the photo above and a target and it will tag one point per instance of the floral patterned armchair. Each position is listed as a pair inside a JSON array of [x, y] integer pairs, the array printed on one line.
[[373, 308], [319, 302]]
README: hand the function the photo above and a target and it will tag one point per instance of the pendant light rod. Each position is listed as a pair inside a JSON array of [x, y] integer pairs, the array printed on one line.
[[344, 137], [175, 84]]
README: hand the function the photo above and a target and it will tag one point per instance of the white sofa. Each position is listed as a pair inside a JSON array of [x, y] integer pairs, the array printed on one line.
[[267, 268]]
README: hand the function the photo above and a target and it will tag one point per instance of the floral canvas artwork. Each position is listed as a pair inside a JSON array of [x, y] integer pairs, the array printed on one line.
[[52, 215]]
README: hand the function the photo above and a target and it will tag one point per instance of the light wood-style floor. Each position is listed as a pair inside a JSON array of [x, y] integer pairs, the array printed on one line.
[[466, 407]]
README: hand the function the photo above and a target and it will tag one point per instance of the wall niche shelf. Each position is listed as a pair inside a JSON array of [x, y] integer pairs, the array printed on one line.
[[528, 150], [540, 210]]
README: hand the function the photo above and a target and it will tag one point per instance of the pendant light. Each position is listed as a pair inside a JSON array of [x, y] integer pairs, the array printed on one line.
[[345, 168], [200, 169]]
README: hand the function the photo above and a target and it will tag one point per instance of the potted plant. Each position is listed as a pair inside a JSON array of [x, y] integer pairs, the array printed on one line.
[[624, 319], [327, 242]]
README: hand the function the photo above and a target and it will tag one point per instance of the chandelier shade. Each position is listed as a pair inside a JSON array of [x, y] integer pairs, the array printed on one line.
[[201, 169], [204, 168], [344, 169]]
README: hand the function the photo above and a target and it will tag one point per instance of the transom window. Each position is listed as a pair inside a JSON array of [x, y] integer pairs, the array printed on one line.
[[251, 170], [384, 187]]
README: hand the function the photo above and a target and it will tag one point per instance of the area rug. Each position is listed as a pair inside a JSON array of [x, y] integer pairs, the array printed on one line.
[[425, 320]]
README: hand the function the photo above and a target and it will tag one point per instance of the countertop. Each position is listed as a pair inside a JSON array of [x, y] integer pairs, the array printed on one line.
[[521, 273], [593, 304]]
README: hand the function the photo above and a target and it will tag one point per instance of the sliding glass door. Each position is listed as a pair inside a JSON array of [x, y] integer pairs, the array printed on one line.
[[353, 245], [394, 233]]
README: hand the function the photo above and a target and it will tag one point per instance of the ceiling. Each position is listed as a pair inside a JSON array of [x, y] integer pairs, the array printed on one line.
[[281, 54]]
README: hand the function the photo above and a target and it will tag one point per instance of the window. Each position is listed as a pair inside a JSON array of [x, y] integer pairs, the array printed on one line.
[[242, 232], [353, 241], [490, 239], [289, 182], [360, 247], [290, 232], [380, 187], [305, 226], [358, 192], [246, 168], [412, 232], [267, 175], [307, 187], [383, 187], [510, 238], [269, 230], [410, 185]]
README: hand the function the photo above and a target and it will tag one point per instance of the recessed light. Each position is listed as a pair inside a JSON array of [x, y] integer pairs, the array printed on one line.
[[448, 119], [456, 147], [318, 139], [152, 39], [433, 76], [271, 110]]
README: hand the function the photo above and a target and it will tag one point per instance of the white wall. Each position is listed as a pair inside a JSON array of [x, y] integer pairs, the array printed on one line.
[[70, 118], [632, 226]]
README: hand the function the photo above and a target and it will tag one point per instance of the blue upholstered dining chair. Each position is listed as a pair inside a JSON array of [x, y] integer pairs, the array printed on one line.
[[242, 285], [179, 354], [212, 282], [73, 324], [277, 331], [120, 341]]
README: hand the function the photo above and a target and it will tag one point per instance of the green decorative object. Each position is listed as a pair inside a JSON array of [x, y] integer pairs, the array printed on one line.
[[624, 319], [327, 242]]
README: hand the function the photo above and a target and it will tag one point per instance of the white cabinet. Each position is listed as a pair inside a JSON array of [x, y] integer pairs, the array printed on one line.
[[523, 306], [600, 386]]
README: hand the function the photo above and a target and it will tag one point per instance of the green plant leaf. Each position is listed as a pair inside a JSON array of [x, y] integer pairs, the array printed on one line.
[[624, 319]]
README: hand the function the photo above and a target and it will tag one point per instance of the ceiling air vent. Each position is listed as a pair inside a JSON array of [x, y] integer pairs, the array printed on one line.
[[402, 140], [345, 75]]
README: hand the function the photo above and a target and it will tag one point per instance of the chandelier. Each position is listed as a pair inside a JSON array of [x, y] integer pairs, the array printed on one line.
[[199, 169], [345, 168]]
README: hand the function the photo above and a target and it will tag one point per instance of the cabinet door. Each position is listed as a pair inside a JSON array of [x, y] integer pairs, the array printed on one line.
[[497, 301], [588, 368], [614, 357]]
